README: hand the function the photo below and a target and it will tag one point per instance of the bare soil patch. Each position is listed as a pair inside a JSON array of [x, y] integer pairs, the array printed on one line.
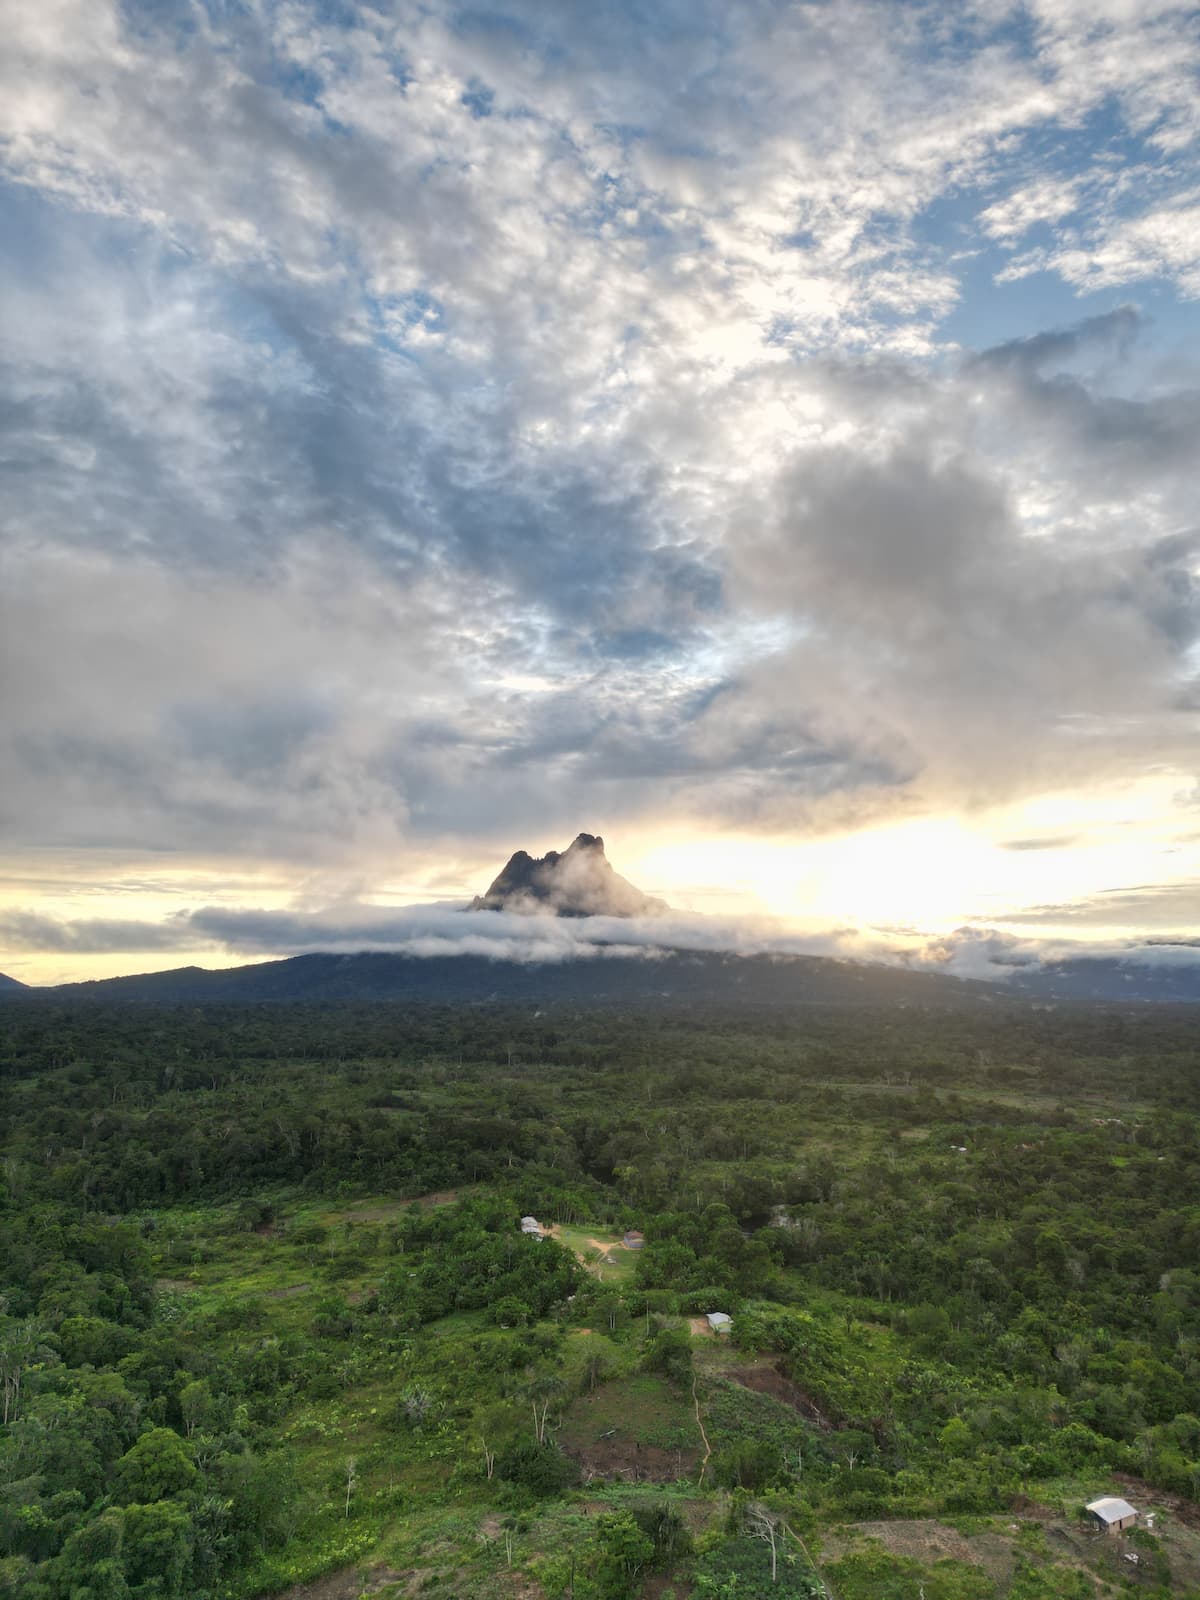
[[660, 1583], [526, 1588], [1023, 1506], [927, 1540], [605, 1250], [700, 1328], [1069, 1543], [288, 1292], [604, 1246], [1146, 1498], [628, 1461], [344, 1585], [768, 1380]]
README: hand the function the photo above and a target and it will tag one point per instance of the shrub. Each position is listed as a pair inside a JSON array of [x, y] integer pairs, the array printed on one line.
[[540, 1468], [670, 1352], [748, 1464]]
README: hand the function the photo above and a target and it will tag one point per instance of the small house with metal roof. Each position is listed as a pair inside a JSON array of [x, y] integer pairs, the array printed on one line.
[[1111, 1514]]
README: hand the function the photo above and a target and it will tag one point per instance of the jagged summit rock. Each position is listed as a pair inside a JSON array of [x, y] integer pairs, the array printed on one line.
[[577, 882]]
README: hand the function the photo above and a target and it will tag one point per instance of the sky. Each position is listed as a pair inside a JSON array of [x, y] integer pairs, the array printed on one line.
[[766, 434]]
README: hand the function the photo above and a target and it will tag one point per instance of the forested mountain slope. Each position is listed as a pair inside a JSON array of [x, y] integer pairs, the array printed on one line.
[[669, 975]]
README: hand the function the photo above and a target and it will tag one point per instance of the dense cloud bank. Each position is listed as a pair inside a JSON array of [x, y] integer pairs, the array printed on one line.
[[429, 931]]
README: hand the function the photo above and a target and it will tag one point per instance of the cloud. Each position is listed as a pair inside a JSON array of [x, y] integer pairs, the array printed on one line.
[[1142, 908], [26, 931], [431, 930], [941, 641], [559, 415], [983, 954], [1062, 841], [213, 714]]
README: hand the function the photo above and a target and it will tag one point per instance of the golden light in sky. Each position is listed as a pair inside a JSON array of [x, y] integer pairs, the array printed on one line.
[[896, 884]]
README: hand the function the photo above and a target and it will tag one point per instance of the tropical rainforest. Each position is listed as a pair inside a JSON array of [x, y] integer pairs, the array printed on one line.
[[270, 1324]]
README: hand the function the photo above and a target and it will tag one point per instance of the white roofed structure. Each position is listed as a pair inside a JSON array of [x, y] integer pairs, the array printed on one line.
[[1112, 1513]]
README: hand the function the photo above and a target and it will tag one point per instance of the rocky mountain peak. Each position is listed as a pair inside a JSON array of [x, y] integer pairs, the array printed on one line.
[[576, 882]]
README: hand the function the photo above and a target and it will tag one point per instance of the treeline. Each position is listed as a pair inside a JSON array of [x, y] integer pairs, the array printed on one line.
[[116, 1110]]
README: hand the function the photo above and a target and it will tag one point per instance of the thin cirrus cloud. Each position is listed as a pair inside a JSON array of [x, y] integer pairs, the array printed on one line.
[[420, 426]]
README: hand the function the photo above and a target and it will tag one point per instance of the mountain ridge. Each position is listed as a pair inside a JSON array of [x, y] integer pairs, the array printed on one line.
[[576, 882], [680, 976], [667, 975]]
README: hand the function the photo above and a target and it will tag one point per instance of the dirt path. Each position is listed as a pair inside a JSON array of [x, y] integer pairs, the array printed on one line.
[[703, 1435], [606, 1259]]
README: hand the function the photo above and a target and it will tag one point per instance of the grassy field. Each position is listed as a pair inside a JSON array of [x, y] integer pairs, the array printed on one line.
[[603, 1254]]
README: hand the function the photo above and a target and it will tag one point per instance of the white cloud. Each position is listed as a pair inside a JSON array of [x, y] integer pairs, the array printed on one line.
[[404, 472]]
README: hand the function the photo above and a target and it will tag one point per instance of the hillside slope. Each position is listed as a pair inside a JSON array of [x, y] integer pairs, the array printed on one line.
[[678, 975]]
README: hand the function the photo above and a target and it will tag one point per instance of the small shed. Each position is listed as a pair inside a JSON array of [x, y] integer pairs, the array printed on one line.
[[532, 1227], [719, 1321], [1112, 1514], [634, 1240]]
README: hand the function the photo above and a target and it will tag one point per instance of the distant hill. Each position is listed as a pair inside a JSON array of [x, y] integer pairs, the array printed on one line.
[[1108, 980], [673, 975], [577, 882]]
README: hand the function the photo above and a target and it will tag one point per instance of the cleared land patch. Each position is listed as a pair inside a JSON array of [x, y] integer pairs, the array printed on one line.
[[763, 1378], [636, 1428], [604, 1255]]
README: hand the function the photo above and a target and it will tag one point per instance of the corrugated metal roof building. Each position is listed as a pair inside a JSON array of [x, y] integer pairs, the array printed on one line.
[[1112, 1514]]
